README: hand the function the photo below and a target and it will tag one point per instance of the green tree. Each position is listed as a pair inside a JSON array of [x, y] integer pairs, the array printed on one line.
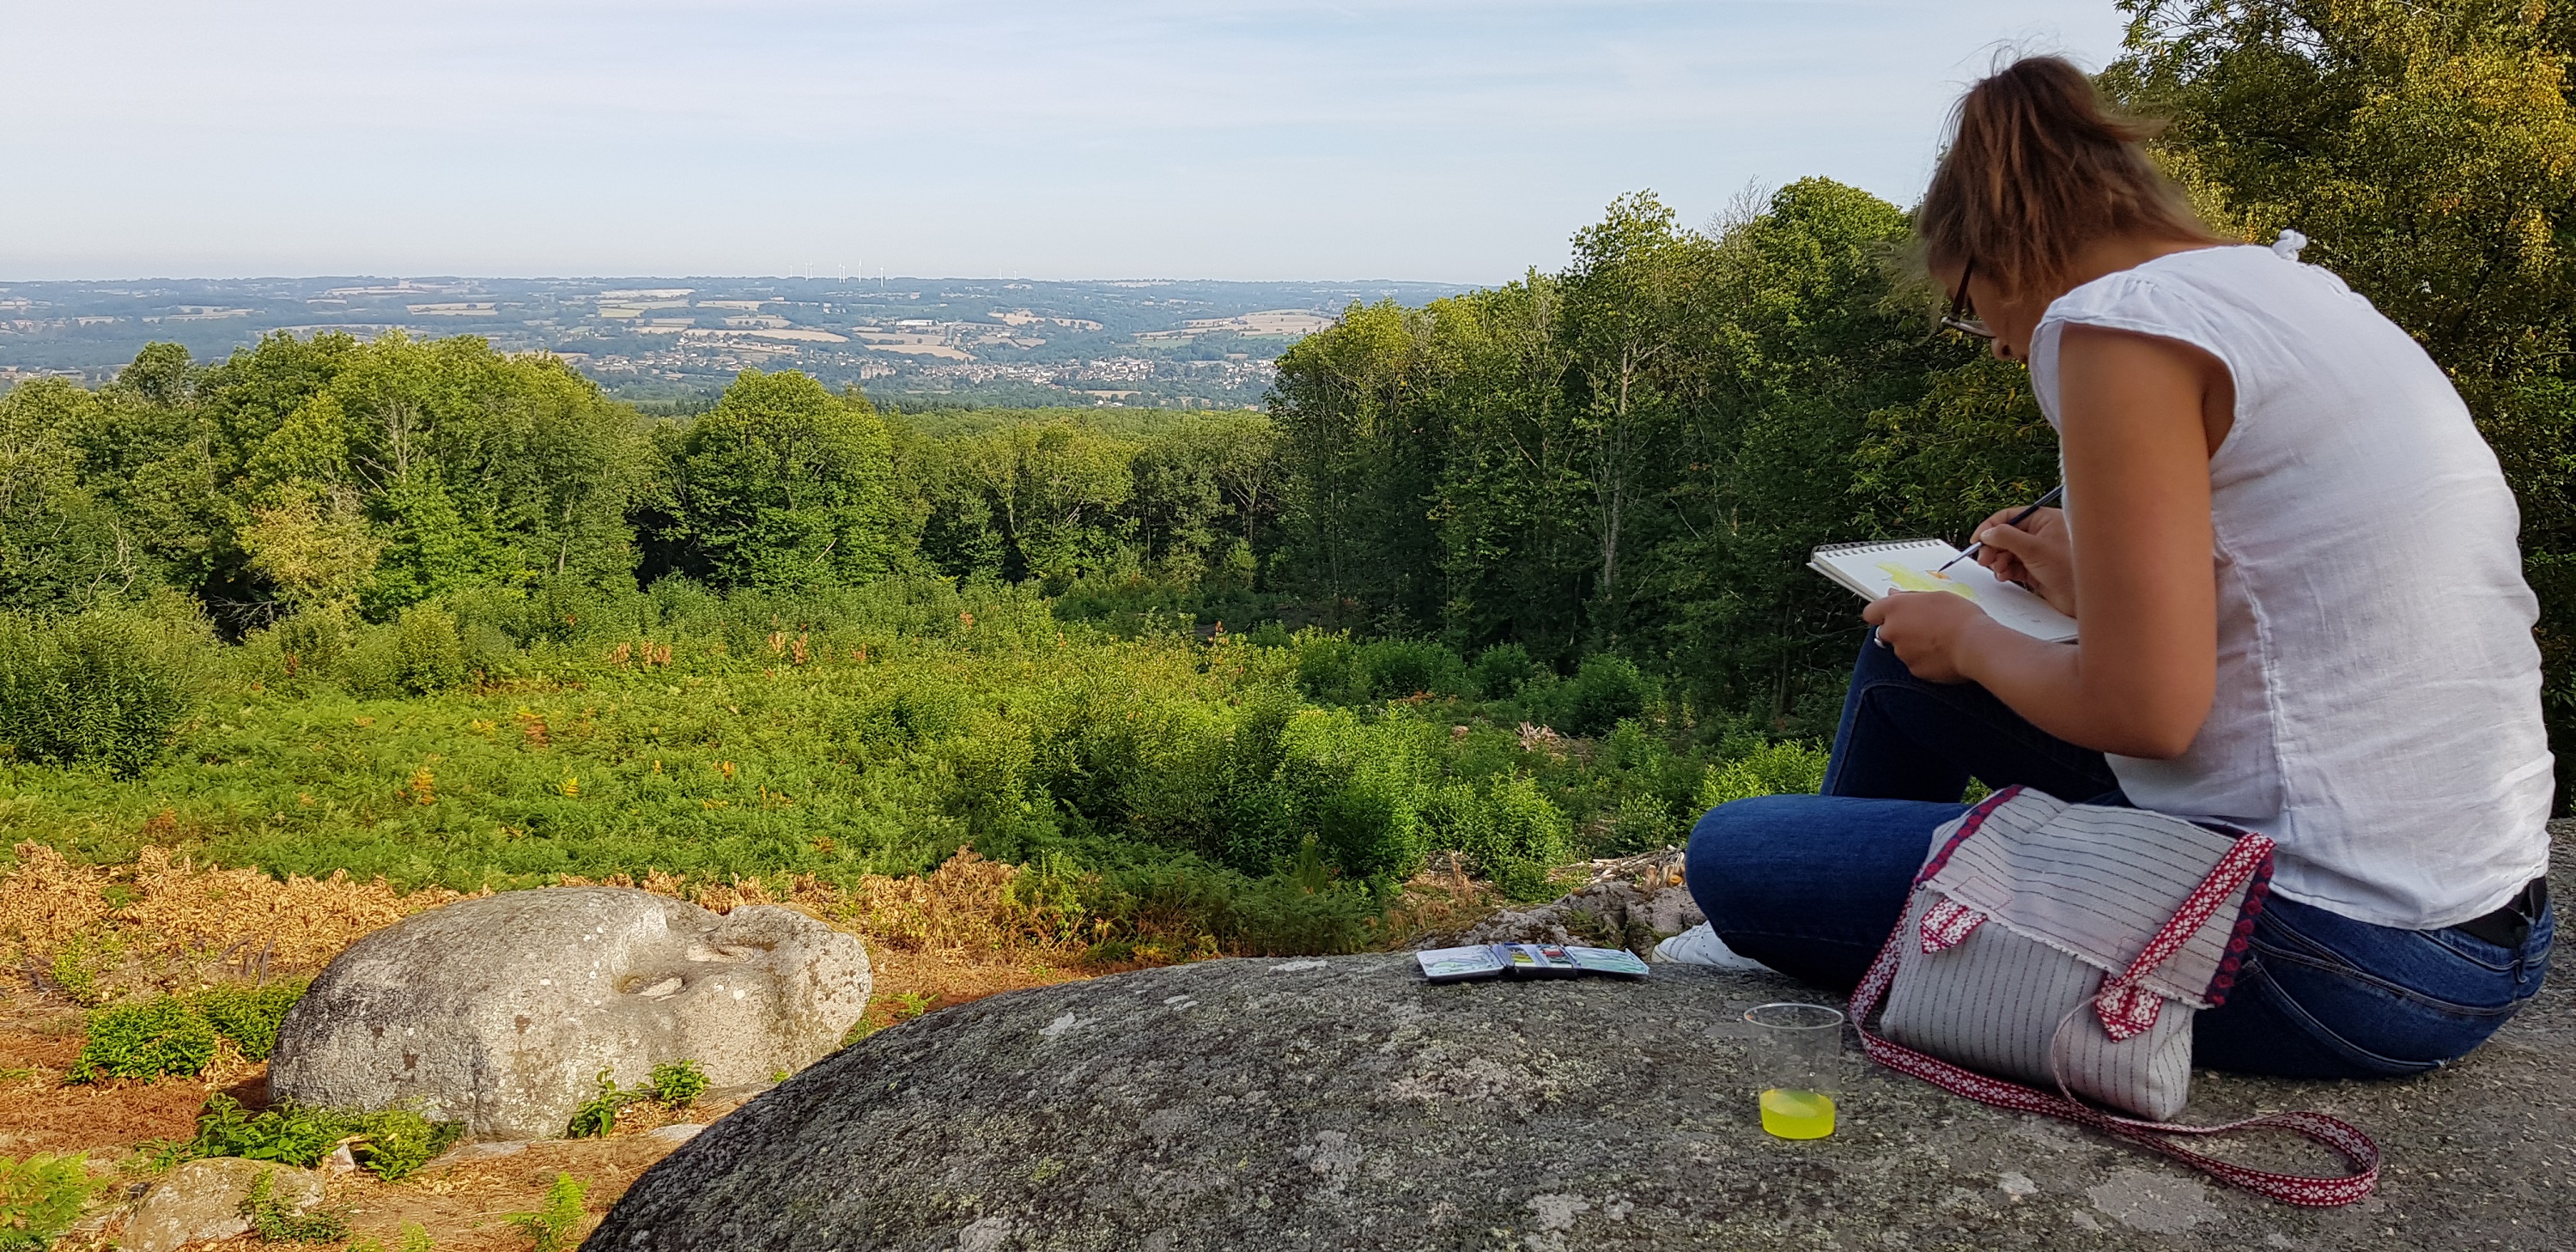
[[1636, 308], [59, 546], [1810, 342], [1517, 554], [1050, 494], [2427, 148], [784, 485], [1204, 492], [1364, 453]]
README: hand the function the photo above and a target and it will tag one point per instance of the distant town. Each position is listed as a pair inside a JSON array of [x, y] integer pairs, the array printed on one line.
[[912, 342]]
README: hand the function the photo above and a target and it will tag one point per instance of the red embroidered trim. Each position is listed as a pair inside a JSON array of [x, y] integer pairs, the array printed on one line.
[[1974, 818], [2242, 937], [1947, 924], [2127, 1009]]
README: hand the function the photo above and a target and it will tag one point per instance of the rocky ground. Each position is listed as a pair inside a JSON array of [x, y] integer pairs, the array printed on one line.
[[463, 1202], [1337, 1103]]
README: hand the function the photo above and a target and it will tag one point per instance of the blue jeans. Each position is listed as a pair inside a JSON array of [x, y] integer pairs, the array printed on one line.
[[1811, 885]]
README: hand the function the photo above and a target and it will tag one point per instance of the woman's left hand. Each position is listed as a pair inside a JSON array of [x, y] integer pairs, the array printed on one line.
[[1928, 630]]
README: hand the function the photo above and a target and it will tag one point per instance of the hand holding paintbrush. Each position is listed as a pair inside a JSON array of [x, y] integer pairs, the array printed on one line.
[[2054, 495]]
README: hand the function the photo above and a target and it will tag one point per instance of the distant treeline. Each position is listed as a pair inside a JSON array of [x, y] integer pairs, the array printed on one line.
[[326, 474]]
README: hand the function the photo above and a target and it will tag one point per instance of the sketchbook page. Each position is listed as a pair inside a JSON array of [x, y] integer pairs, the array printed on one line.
[[1875, 569]]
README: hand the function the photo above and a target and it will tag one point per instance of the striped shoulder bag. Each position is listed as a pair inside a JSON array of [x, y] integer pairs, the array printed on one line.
[[2070, 945]]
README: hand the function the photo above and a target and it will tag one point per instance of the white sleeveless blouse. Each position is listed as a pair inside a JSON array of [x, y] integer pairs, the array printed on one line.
[[2378, 709]]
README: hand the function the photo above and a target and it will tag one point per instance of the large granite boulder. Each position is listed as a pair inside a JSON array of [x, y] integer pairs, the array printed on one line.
[[501, 1011], [1342, 1103]]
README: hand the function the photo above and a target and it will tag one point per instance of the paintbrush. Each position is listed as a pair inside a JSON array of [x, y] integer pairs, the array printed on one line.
[[2054, 495]]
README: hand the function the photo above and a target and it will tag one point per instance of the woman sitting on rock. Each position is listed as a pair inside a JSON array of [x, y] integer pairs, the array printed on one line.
[[2301, 609]]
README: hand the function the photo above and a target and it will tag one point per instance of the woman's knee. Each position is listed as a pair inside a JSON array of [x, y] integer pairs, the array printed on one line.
[[1735, 839], [1738, 826]]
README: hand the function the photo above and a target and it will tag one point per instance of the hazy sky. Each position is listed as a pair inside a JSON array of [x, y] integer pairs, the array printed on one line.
[[1417, 139]]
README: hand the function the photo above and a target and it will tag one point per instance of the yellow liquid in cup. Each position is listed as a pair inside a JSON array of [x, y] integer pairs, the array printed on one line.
[[1797, 1114]]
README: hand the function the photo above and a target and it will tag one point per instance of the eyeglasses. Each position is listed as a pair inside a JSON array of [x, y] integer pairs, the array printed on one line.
[[1963, 316]]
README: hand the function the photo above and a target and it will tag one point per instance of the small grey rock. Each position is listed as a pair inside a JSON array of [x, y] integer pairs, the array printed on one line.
[[501, 1011], [1629, 904], [202, 1200]]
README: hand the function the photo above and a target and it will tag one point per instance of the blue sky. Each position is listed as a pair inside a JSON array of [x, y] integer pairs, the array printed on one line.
[[1416, 139]]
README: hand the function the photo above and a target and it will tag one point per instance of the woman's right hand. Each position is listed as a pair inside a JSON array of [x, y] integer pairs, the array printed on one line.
[[2039, 554]]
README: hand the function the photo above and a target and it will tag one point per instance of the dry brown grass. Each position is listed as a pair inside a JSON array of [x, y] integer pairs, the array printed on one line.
[[164, 919], [1442, 899], [39, 1037], [966, 906]]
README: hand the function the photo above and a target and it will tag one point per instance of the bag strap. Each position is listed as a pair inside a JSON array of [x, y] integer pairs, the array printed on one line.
[[2126, 1006], [2308, 1191]]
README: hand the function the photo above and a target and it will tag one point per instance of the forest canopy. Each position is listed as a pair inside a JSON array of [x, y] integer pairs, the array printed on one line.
[[1628, 458]]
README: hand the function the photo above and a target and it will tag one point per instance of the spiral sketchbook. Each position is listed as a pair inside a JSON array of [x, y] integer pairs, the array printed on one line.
[[1875, 569]]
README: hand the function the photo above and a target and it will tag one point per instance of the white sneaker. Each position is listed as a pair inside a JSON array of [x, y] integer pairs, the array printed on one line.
[[1700, 945]]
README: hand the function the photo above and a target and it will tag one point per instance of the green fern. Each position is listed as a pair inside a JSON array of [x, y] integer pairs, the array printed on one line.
[[552, 1228], [41, 1197]]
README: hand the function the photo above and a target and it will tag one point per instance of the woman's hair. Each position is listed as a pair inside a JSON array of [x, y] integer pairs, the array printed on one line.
[[2037, 167]]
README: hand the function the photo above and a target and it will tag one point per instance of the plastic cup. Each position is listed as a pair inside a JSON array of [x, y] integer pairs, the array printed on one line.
[[1797, 1056]]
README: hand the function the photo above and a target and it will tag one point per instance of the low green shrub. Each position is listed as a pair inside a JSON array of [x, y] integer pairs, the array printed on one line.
[[1511, 832], [1606, 690], [250, 1016], [554, 1227], [179, 1034], [678, 1083], [399, 1141], [109, 688], [1328, 667], [597, 1115], [167, 1035], [1637, 823], [1785, 768], [76, 967], [1397, 668], [274, 1222], [1185, 907], [883, 729], [283, 1133], [41, 1197], [428, 655], [415, 1238], [392, 1143], [1501, 670], [1280, 916]]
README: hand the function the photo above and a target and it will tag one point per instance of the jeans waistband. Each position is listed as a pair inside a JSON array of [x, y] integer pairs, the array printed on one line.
[[2507, 927]]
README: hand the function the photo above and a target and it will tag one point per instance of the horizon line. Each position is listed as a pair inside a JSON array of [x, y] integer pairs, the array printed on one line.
[[786, 278]]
